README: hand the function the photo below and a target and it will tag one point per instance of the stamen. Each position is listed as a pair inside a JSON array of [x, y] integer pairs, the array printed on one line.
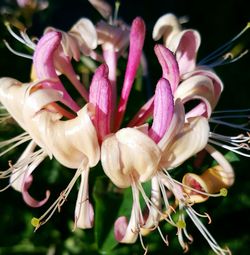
[[199, 191], [37, 222], [4, 117], [227, 53], [232, 125], [142, 244], [24, 39], [211, 241], [19, 168], [117, 7], [237, 144], [165, 239], [18, 140], [20, 54], [219, 117]]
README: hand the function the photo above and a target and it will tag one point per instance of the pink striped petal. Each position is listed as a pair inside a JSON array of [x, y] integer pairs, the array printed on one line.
[[198, 87], [100, 97], [217, 83], [64, 66], [163, 110], [44, 65], [170, 69], [137, 36], [185, 46]]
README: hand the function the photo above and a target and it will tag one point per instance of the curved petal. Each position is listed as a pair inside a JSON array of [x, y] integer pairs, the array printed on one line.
[[166, 26], [69, 141], [84, 213], [85, 34], [44, 65], [217, 83], [129, 153], [197, 87], [192, 139], [185, 46], [163, 110], [226, 173], [21, 178], [10, 90], [29, 200], [112, 37], [102, 7], [176, 125], [128, 232], [170, 68]]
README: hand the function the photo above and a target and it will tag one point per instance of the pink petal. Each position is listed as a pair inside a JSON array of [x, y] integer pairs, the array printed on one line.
[[170, 69], [102, 103], [163, 110], [63, 65], [111, 57], [27, 197], [120, 228], [137, 36], [188, 43], [44, 65]]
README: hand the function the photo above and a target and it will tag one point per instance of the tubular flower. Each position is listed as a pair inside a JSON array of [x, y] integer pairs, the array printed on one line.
[[80, 134], [185, 44], [73, 142], [134, 155], [72, 147]]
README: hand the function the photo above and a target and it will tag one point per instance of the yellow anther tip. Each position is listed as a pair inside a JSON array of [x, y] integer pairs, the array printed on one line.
[[181, 224], [223, 192], [35, 222]]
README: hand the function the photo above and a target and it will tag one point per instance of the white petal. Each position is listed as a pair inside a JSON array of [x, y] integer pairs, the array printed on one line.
[[192, 139]]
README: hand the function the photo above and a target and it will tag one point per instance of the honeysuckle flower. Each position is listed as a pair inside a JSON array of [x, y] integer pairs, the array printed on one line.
[[213, 180], [73, 147], [130, 155], [81, 38], [185, 44], [167, 144]]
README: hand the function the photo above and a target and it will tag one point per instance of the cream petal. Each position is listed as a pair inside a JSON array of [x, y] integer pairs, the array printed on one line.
[[176, 125], [197, 87], [226, 174], [126, 232], [166, 26], [85, 33], [102, 7], [111, 162], [112, 37], [84, 213], [192, 139], [69, 141], [10, 90], [217, 83], [129, 153], [17, 178]]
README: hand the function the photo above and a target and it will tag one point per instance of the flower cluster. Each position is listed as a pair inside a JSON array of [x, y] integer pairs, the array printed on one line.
[[171, 127]]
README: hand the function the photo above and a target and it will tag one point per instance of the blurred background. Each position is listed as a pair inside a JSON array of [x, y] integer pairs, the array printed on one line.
[[217, 22]]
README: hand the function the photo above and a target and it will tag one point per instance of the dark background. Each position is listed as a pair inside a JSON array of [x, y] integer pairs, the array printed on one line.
[[218, 22]]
